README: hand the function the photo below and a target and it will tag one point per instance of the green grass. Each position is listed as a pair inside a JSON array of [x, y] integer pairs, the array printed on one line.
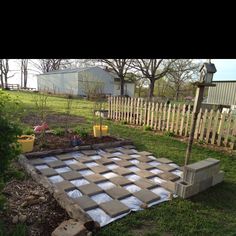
[[213, 212]]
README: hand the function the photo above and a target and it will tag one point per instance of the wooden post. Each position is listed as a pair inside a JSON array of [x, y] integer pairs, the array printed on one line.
[[197, 104], [187, 121]]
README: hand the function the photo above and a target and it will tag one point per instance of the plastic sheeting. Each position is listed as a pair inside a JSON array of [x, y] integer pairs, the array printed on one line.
[[133, 168], [62, 169], [115, 159], [157, 180], [106, 185], [152, 157], [91, 164], [41, 167], [55, 179], [177, 172], [79, 182], [101, 197], [135, 155], [133, 203], [116, 153], [154, 163], [132, 188], [95, 157], [76, 154], [132, 177], [109, 175], [49, 159], [86, 172], [134, 161], [156, 171], [112, 166], [71, 161], [74, 193], [174, 165]]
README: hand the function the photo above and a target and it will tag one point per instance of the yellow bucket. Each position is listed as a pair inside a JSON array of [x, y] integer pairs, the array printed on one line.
[[96, 130], [27, 142]]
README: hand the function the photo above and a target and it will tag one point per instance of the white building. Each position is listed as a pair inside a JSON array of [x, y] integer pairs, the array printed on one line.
[[81, 80]]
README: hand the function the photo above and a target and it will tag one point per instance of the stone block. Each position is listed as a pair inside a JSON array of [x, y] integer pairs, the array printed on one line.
[[168, 176], [90, 189], [86, 203], [64, 185], [78, 166], [166, 167], [48, 172], [218, 178], [95, 178], [120, 180], [164, 160], [122, 170], [144, 153], [144, 166], [144, 159], [64, 157], [125, 157], [118, 193], [145, 173], [144, 183], [71, 175], [186, 190], [105, 161], [99, 169], [56, 164], [146, 196], [124, 163], [114, 208], [205, 184], [89, 152], [70, 227]]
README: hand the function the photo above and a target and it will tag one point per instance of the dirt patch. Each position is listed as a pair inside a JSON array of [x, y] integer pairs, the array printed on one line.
[[32, 204], [52, 119], [55, 142]]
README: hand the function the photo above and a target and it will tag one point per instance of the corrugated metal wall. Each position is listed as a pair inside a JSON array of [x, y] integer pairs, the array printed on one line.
[[224, 93]]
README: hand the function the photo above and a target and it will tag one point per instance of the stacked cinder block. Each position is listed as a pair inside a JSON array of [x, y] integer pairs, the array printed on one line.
[[198, 177]]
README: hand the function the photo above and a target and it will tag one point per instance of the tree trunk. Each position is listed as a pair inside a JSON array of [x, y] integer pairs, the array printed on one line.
[[151, 88], [177, 90], [25, 77], [5, 77], [1, 77], [122, 86]]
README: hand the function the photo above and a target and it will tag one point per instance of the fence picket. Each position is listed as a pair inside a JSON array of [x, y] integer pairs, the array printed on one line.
[[128, 110], [173, 119], [209, 126], [137, 111], [186, 132], [145, 113], [164, 118], [160, 117], [182, 120], [216, 119], [221, 128], [156, 116], [168, 118], [141, 112], [177, 120], [202, 131], [229, 121], [196, 133], [152, 114]]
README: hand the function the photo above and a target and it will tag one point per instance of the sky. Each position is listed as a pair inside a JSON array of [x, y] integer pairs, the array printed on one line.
[[226, 70]]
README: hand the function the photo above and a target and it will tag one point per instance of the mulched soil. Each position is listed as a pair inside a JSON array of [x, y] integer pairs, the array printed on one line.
[[55, 142], [54, 118], [31, 200]]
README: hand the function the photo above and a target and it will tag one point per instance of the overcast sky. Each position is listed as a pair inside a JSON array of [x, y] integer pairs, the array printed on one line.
[[226, 70]]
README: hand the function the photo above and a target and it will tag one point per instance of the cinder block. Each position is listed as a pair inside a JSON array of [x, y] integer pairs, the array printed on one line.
[[205, 184], [186, 190], [218, 178]]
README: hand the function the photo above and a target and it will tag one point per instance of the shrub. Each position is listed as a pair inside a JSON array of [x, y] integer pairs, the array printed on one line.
[[83, 133], [58, 131], [9, 132], [147, 128], [123, 123], [169, 134], [201, 141]]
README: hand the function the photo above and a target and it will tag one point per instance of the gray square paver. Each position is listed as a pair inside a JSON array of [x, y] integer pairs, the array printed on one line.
[[120, 180], [118, 192], [78, 166], [124, 163], [122, 170], [144, 183], [114, 208], [164, 160], [65, 185], [144, 153], [145, 173], [89, 152], [95, 178], [86, 203], [166, 167], [55, 164], [144, 159], [99, 169], [71, 175], [146, 196], [168, 176], [48, 172], [90, 189], [65, 156], [144, 166]]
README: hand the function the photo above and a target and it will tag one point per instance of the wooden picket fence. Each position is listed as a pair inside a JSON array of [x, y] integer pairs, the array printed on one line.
[[212, 126]]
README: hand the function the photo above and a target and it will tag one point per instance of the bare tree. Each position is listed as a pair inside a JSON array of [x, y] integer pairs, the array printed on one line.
[[120, 67], [46, 65], [4, 67], [152, 69], [182, 70], [24, 72]]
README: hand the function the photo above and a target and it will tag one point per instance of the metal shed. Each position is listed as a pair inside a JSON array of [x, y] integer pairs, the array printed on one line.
[[75, 81]]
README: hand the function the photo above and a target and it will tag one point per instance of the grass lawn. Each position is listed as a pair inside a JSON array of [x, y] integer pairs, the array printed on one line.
[[213, 212]]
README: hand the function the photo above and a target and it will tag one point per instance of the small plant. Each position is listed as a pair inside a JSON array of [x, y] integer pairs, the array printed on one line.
[[28, 131], [20, 230], [147, 128], [83, 133], [3, 202], [169, 134], [58, 132], [201, 142]]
